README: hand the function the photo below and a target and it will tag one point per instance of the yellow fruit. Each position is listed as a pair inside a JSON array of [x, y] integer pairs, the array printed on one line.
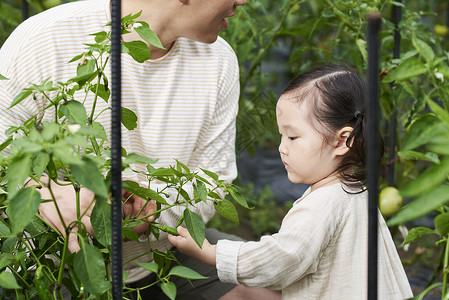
[[441, 30], [51, 3], [390, 201]]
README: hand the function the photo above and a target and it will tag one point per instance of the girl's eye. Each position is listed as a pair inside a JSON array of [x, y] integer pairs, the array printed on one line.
[[292, 138]]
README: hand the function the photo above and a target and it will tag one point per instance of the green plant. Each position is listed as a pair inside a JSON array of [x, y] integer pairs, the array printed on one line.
[[72, 150]]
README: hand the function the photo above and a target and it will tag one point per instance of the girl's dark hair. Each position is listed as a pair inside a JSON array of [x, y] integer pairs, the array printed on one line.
[[339, 95]]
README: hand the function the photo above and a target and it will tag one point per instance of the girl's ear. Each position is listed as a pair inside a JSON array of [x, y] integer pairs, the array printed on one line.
[[342, 136]]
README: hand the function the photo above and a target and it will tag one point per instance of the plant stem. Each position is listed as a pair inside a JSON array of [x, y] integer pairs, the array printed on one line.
[[56, 205], [61, 266], [445, 268]]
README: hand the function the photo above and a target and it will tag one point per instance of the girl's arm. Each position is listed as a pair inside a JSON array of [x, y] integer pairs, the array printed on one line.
[[184, 243]]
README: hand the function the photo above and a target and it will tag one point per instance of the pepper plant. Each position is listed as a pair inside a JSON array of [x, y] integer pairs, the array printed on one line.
[[73, 150]]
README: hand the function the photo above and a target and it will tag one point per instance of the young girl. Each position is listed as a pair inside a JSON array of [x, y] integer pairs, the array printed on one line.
[[320, 252]]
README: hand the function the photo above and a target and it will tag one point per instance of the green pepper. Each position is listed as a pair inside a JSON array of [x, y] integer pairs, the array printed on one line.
[[168, 229], [42, 283], [52, 169]]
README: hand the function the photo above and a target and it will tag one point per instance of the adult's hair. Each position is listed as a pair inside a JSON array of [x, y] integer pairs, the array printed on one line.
[[339, 95]]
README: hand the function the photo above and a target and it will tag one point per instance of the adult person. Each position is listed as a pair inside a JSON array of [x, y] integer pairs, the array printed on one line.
[[185, 98]]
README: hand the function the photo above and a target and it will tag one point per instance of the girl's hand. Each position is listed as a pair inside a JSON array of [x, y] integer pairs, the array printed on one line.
[[185, 243]]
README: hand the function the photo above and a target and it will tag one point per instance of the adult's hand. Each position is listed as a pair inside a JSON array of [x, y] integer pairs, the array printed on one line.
[[137, 207], [65, 196]]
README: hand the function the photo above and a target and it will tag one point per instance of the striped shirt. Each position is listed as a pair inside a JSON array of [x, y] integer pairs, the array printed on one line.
[[186, 102]]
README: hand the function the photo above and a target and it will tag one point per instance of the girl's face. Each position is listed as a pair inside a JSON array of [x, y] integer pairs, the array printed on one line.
[[307, 158], [206, 18]]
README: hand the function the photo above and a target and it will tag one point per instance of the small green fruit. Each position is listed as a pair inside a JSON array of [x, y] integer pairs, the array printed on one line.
[[441, 30], [390, 201], [50, 3]]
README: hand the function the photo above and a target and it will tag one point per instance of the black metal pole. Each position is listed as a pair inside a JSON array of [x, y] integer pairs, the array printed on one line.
[[25, 9], [373, 148], [391, 170], [116, 152]]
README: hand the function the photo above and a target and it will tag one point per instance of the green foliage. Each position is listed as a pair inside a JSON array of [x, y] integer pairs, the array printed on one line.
[[72, 151]]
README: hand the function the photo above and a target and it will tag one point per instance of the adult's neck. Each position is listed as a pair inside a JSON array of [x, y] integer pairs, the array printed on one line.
[[160, 15]]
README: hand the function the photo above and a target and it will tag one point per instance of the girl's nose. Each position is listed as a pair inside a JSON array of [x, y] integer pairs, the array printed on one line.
[[239, 2], [282, 150]]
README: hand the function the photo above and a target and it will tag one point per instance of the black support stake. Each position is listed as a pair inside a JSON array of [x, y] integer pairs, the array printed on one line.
[[374, 21], [25, 9], [391, 172], [116, 152]]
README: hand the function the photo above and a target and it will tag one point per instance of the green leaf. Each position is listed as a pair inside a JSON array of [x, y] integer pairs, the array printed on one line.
[[9, 245], [238, 197], [3, 77], [138, 50], [162, 172], [185, 272], [50, 130], [200, 191], [6, 259], [100, 36], [151, 266], [101, 222], [8, 281], [90, 269], [210, 174], [74, 111], [413, 155], [131, 17], [102, 92], [40, 162], [227, 210], [20, 97], [129, 119], [22, 208], [130, 234], [143, 192], [4, 230], [6, 143], [133, 158], [420, 132], [17, 173], [82, 79], [407, 69], [196, 227], [421, 205], [88, 175], [361, 44], [87, 68], [149, 36], [416, 233], [440, 112], [169, 289], [35, 226], [442, 224], [64, 151], [424, 50], [26, 145], [428, 180], [182, 166]]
